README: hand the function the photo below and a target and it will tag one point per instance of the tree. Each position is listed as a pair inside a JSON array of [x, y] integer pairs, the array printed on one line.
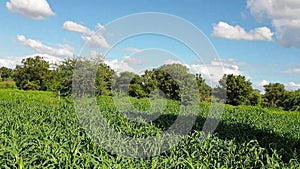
[[5, 73], [65, 72], [83, 79], [122, 82], [255, 98], [237, 89], [177, 83], [150, 82], [292, 101], [104, 80], [33, 74], [204, 89], [137, 87], [275, 94]]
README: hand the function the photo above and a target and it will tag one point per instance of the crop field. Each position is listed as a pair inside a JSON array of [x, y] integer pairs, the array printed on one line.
[[38, 130]]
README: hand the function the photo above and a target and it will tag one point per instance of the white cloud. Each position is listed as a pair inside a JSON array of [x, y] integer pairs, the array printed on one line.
[[288, 86], [226, 31], [292, 86], [284, 15], [169, 62], [63, 50], [293, 71], [100, 27], [93, 39], [120, 66], [33, 9], [75, 27], [214, 71], [132, 61], [260, 85], [11, 62]]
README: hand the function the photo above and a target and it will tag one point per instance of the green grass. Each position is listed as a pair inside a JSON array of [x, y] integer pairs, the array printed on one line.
[[39, 130]]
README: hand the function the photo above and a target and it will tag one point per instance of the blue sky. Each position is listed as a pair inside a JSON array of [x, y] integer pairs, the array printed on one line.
[[256, 38]]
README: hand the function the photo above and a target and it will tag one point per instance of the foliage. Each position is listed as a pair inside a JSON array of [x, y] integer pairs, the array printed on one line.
[[275, 94], [33, 74], [122, 83], [255, 98], [65, 72], [237, 89], [44, 132], [5, 73], [86, 77], [8, 85], [204, 89], [104, 80], [292, 102]]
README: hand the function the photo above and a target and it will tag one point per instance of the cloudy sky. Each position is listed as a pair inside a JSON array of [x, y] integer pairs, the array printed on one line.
[[259, 39]]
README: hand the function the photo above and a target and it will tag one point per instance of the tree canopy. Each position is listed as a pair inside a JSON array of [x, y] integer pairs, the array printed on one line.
[[172, 81], [237, 89], [33, 74]]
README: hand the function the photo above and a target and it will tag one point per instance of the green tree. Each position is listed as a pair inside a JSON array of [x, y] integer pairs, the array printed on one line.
[[255, 98], [292, 101], [204, 89], [104, 80], [237, 89], [149, 81], [275, 94], [64, 74], [177, 83], [122, 82], [83, 79], [5, 73], [137, 87], [128, 83], [33, 74]]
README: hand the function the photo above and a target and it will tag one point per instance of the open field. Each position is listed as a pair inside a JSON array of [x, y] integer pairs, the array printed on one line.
[[40, 130]]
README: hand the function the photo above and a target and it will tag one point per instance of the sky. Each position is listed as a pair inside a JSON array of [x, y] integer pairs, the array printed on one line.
[[258, 39]]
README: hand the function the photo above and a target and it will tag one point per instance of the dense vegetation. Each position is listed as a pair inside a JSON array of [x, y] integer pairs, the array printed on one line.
[[40, 130], [171, 81]]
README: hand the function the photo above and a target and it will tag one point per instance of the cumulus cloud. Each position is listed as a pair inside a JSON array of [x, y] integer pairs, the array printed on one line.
[[11, 62], [93, 39], [226, 31], [132, 61], [289, 85], [120, 66], [63, 50], [75, 27], [214, 71], [284, 15], [260, 85], [292, 86], [33, 9]]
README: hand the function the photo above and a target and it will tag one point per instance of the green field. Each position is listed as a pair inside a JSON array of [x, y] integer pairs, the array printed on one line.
[[39, 130]]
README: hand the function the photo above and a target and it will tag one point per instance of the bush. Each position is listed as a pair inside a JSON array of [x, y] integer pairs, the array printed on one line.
[[8, 85]]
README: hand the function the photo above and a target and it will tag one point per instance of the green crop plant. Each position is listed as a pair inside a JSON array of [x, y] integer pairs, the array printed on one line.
[[38, 130]]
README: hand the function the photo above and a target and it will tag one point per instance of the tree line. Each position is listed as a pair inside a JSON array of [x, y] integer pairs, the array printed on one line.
[[171, 81]]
